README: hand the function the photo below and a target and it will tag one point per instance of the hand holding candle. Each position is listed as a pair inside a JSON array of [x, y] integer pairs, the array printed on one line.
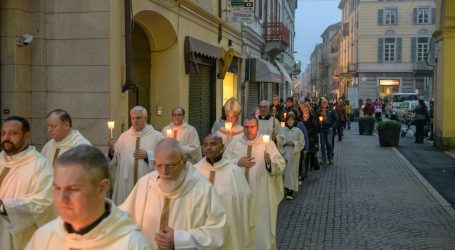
[[169, 133], [228, 126], [110, 126], [266, 139]]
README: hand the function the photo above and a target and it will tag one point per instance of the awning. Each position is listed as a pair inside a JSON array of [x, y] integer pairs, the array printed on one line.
[[263, 71], [194, 46], [283, 71]]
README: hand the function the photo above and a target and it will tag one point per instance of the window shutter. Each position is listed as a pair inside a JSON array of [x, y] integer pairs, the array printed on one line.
[[414, 16], [380, 17], [413, 49], [431, 56], [433, 15], [396, 16], [380, 49], [398, 42]]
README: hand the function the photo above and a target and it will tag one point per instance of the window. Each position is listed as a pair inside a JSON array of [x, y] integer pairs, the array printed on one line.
[[423, 15], [390, 16], [389, 49], [422, 48]]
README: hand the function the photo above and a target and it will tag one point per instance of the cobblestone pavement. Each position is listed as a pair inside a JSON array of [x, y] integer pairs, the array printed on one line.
[[369, 199]]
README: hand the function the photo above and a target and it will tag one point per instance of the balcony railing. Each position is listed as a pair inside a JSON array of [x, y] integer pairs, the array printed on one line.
[[421, 66], [275, 32]]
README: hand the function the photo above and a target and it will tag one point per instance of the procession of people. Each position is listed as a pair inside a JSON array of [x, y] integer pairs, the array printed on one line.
[[163, 190]]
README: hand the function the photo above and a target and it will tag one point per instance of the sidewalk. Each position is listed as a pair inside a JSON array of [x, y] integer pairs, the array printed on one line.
[[372, 198]]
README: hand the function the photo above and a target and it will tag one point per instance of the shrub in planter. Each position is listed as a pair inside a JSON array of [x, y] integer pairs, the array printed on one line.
[[389, 133], [366, 125]]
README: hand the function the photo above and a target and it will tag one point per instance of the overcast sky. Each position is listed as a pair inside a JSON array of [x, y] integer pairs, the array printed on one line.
[[312, 17]]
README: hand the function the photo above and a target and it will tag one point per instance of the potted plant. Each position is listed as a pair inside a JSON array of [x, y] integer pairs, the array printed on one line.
[[389, 133], [366, 125]]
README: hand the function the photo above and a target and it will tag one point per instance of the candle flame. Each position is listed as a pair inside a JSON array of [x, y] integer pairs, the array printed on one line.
[[110, 124], [266, 139], [228, 126]]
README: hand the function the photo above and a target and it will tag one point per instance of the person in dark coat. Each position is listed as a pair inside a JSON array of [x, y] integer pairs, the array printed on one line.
[[310, 122], [420, 118]]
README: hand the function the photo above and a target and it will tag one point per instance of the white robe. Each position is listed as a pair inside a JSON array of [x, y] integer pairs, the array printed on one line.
[[74, 139], [228, 136], [267, 187], [292, 155], [122, 163], [115, 232], [233, 190], [195, 213], [188, 138], [266, 127], [26, 193]]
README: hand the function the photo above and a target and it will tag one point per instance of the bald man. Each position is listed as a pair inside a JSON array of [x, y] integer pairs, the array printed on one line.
[[175, 206]]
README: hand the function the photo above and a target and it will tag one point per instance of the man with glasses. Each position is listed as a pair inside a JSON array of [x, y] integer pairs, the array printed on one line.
[[276, 109], [185, 134], [175, 206], [132, 154]]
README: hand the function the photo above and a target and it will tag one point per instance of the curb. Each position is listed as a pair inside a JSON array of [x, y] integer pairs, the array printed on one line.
[[444, 203]]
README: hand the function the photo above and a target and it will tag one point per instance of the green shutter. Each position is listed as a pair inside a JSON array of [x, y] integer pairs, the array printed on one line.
[[431, 57], [398, 42], [413, 49], [380, 49], [380, 17], [433, 15], [414, 16], [396, 16]]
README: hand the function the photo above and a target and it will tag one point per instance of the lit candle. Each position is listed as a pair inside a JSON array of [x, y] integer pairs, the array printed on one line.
[[169, 133], [228, 126], [110, 126], [282, 124], [320, 118], [266, 139], [285, 114]]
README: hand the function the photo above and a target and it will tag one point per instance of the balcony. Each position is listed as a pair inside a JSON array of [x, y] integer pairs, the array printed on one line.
[[276, 36], [421, 66]]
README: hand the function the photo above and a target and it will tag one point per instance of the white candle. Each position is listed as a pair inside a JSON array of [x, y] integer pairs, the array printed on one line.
[[282, 124], [320, 118], [285, 114], [228, 126], [169, 133], [266, 139], [110, 126]]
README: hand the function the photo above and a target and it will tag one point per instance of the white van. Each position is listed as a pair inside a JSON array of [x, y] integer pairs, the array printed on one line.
[[395, 100]]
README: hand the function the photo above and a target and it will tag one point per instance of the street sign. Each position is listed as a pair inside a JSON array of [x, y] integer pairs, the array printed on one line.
[[242, 11]]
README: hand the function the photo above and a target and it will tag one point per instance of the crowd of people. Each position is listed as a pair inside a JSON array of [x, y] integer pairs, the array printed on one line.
[[163, 189]]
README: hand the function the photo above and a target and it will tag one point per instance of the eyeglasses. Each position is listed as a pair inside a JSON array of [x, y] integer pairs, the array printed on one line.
[[177, 114], [169, 166]]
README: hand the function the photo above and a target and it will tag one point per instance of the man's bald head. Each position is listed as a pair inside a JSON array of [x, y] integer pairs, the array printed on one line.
[[170, 159], [213, 146]]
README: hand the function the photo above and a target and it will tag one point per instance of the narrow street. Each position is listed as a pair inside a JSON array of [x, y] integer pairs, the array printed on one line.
[[371, 198]]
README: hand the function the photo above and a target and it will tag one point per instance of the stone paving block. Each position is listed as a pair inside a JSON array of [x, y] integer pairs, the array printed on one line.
[[369, 199]]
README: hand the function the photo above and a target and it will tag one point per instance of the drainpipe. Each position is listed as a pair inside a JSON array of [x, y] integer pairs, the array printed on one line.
[[128, 52]]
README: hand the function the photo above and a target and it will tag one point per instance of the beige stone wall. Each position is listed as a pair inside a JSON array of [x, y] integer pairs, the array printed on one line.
[[66, 65]]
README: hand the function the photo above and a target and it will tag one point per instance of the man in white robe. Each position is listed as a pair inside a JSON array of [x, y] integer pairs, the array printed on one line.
[[291, 141], [185, 134], [233, 190], [132, 155], [263, 166], [175, 206], [63, 137], [268, 123], [231, 129], [87, 220], [25, 186]]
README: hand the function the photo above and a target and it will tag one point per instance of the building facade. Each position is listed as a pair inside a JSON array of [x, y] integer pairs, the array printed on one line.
[[386, 47]]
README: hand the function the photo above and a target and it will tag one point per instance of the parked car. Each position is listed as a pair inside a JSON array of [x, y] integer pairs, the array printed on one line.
[[395, 99], [403, 109]]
